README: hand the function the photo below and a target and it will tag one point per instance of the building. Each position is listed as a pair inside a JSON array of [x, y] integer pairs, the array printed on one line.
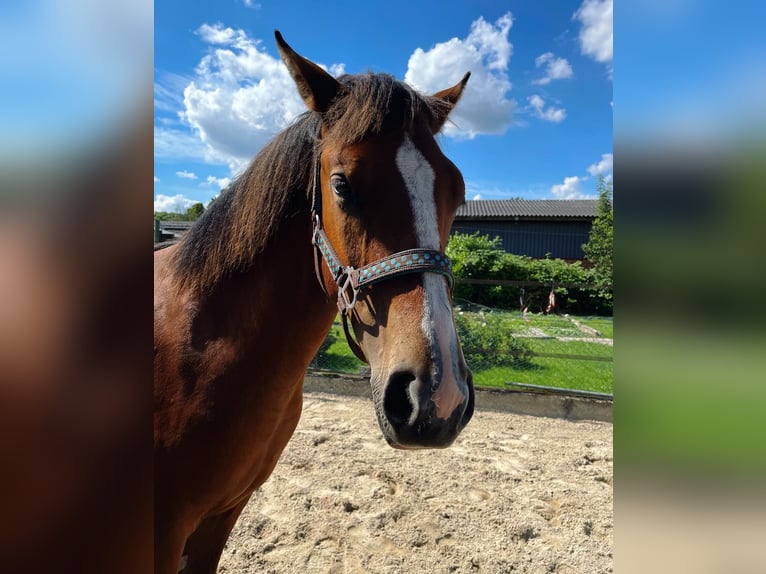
[[169, 231], [532, 227]]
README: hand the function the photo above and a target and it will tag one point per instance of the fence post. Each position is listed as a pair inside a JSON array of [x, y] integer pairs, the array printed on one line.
[[157, 231]]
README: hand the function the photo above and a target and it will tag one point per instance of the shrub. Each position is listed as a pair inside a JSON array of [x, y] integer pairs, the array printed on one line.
[[486, 340], [479, 257]]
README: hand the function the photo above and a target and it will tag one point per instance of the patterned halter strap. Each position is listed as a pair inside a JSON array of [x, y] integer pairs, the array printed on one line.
[[351, 281]]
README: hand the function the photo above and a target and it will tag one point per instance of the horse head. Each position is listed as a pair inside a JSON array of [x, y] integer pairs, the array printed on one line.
[[385, 193]]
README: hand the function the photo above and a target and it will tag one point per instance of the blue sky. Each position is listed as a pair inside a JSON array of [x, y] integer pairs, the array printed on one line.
[[535, 120]]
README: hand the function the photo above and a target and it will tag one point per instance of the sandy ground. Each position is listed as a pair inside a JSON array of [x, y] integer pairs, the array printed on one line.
[[514, 494]]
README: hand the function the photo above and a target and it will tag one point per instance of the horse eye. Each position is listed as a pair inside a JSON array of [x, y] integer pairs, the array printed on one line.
[[340, 186]]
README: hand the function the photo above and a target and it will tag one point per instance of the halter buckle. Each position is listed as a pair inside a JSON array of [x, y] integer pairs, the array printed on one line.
[[348, 290], [317, 225]]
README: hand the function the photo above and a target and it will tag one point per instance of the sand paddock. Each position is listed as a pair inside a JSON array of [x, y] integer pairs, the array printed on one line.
[[515, 493]]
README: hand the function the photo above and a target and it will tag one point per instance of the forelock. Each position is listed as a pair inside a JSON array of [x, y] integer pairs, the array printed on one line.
[[376, 104]]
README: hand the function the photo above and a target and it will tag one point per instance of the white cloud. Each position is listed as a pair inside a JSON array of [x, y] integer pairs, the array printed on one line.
[[476, 197], [596, 34], [555, 68], [485, 52], [240, 97], [549, 114], [570, 189], [176, 203], [603, 167], [217, 34], [186, 174], [165, 99], [337, 69], [168, 91], [253, 5], [156, 179], [218, 182]]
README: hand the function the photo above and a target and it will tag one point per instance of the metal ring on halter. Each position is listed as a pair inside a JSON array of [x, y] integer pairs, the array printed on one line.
[[346, 285]]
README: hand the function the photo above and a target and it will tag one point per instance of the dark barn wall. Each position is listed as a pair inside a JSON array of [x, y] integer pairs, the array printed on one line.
[[562, 239]]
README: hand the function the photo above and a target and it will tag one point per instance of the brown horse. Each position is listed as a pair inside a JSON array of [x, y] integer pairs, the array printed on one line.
[[351, 205]]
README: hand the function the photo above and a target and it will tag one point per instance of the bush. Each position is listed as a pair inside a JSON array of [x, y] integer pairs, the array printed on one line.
[[479, 257], [486, 340]]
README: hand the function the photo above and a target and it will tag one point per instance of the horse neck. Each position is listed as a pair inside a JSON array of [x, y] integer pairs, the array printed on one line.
[[277, 306]]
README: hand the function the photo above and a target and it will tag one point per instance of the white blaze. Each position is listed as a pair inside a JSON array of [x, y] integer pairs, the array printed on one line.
[[438, 327], [419, 178]]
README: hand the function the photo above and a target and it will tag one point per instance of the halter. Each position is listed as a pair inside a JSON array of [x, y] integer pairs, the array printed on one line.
[[351, 281]]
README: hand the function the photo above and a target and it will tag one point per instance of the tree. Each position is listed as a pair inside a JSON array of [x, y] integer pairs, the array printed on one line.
[[169, 216], [193, 213], [600, 246]]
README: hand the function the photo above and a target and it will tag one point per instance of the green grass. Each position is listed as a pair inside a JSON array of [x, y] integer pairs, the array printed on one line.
[[338, 356], [603, 325], [551, 372], [581, 374], [539, 333]]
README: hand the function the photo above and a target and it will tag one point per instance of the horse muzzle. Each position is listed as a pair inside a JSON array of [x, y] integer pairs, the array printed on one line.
[[416, 410]]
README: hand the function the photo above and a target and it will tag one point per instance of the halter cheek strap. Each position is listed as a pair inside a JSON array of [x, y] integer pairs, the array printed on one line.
[[351, 281]]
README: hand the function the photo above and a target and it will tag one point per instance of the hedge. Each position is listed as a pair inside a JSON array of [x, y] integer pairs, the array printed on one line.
[[479, 257]]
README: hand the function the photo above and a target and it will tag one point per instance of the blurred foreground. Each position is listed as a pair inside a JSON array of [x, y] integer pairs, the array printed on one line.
[[75, 287]]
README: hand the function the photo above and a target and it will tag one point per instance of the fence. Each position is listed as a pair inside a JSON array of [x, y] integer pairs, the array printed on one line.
[[502, 347], [570, 297]]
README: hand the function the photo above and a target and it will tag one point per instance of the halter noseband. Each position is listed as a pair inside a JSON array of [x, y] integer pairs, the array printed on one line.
[[351, 281]]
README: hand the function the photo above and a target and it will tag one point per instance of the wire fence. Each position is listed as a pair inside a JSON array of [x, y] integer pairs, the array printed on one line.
[[574, 298], [505, 348]]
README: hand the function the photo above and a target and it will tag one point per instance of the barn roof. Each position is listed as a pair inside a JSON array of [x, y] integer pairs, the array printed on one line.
[[176, 225], [528, 208]]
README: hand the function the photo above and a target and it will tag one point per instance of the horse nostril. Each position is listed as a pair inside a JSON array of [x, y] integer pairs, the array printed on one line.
[[397, 399]]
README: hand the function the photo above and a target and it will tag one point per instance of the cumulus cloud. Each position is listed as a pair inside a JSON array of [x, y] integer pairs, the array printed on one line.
[[596, 34], [485, 52], [549, 114], [239, 98], [570, 189], [175, 203], [156, 179], [186, 174], [603, 167], [217, 34], [218, 182], [555, 68], [254, 5]]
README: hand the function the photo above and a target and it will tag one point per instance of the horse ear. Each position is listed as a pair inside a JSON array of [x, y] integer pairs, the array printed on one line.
[[316, 87], [450, 96]]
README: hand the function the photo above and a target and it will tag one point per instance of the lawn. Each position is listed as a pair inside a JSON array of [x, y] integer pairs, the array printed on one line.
[[587, 366], [601, 324]]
